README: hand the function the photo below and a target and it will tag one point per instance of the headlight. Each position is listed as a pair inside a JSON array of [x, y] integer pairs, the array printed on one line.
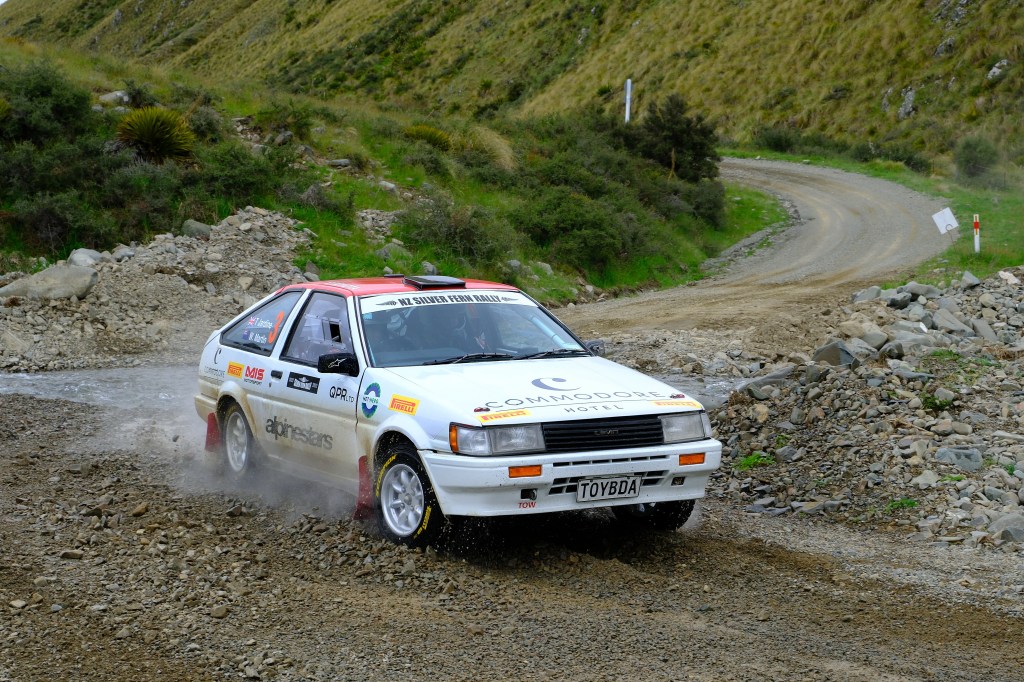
[[497, 440], [683, 427]]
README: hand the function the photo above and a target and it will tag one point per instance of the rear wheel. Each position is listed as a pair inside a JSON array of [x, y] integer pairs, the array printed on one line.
[[407, 510], [656, 515], [239, 445]]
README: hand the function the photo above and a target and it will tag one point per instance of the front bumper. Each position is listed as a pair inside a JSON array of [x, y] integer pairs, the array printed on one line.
[[481, 486]]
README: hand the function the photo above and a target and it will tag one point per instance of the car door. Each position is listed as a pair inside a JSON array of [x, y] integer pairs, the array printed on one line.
[[312, 416]]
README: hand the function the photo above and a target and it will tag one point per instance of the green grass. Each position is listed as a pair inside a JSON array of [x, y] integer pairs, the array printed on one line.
[[754, 459], [901, 503]]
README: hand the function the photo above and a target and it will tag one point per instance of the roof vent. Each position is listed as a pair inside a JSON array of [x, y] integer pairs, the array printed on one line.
[[435, 282]]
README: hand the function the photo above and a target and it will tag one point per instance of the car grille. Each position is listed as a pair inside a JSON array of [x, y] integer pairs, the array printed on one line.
[[603, 434], [562, 486]]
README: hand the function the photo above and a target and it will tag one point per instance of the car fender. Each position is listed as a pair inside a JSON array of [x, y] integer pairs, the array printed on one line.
[[233, 390], [406, 426]]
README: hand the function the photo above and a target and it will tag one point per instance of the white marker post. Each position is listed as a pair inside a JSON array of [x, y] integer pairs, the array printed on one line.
[[629, 96], [946, 222], [977, 235]]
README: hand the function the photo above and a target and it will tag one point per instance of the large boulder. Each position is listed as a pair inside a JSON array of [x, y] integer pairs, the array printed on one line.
[[59, 281], [836, 353], [1009, 527]]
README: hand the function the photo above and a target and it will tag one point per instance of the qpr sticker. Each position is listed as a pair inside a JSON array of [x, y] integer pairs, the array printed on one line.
[[302, 382], [371, 400]]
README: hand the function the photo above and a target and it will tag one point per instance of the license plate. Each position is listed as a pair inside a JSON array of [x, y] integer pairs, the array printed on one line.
[[589, 489]]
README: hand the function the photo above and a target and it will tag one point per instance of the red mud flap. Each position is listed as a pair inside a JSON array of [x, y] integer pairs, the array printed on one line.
[[212, 433], [364, 499]]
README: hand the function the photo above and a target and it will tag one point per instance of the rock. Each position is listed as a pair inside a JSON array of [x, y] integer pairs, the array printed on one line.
[[927, 479], [984, 330], [428, 268], [339, 163], [393, 251], [140, 509], [115, 97], [945, 321], [997, 70], [219, 611], [900, 300], [387, 186], [58, 281], [944, 394], [869, 294], [1008, 277], [925, 290], [969, 281], [1009, 527], [968, 459], [544, 267], [72, 554], [836, 353], [194, 228], [85, 258]]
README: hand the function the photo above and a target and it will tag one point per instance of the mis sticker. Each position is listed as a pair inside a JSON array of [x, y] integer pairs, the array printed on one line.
[[401, 403], [235, 369], [485, 418], [371, 400]]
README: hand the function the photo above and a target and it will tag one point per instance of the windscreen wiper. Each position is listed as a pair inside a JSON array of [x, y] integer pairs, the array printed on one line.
[[558, 352], [471, 356]]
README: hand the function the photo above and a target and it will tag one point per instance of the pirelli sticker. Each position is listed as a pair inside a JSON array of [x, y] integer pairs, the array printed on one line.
[[404, 404], [677, 403], [486, 418], [235, 369]]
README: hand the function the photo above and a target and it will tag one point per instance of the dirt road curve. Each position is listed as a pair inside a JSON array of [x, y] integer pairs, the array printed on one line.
[[852, 231]]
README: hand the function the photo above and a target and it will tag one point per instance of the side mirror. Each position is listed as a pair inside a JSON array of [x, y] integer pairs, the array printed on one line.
[[338, 363], [596, 346]]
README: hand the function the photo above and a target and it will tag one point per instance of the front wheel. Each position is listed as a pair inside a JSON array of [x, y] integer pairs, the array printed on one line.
[[656, 515], [407, 510]]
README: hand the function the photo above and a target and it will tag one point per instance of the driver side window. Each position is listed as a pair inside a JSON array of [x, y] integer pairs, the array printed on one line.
[[322, 328]]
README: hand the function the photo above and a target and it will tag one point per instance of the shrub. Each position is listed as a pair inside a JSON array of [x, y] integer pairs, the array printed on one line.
[[974, 156], [676, 140], [438, 139], [43, 105], [293, 116], [56, 223], [908, 157], [157, 135], [491, 144], [139, 95], [428, 158], [577, 230], [206, 124], [466, 231], [707, 198], [777, 138]]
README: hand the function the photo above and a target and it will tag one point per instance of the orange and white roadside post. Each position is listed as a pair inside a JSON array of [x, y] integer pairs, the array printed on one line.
[[977, 236]]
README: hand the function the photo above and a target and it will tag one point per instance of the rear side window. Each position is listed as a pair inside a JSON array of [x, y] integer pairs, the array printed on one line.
[[322, 328], [260, 329]]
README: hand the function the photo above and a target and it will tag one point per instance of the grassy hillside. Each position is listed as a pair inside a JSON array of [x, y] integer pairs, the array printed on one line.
[[842, 68], [504, 200]]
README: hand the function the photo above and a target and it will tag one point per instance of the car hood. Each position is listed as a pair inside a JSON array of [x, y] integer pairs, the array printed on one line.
[[547, 389]]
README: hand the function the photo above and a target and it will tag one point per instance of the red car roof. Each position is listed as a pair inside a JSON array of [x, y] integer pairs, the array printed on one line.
[[388, 285]]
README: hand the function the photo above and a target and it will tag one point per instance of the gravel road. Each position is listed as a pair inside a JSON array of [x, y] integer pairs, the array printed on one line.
[[123, 556], [850, 231]]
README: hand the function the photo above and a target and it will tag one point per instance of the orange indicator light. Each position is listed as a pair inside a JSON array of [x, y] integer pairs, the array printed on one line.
[[696, 458], [524, 471]]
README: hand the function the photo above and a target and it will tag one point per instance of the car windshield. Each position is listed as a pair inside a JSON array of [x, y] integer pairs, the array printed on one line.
[[430, 328]]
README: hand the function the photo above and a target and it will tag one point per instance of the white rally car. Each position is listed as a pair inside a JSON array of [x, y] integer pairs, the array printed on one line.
[[434, 397]]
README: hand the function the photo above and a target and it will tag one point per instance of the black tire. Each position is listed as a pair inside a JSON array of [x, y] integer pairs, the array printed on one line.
[[240, 449], [404, 501], [655, 515]]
